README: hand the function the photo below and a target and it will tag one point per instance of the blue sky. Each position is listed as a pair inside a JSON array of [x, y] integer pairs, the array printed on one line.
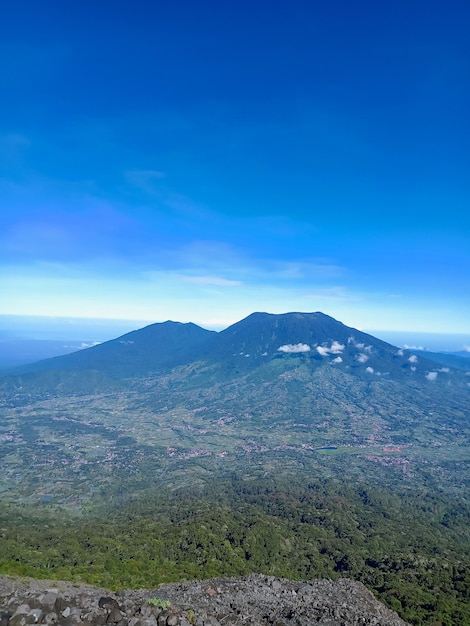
[[198, 161]]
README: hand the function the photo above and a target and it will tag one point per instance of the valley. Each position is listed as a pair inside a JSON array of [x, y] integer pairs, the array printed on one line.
[[287, 445], [74, 444]]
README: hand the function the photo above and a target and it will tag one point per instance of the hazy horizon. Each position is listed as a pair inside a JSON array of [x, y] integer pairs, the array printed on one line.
[[98, 330]]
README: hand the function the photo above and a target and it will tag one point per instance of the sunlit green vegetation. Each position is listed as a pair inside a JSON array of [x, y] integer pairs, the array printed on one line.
[[289, 465], [411, 548]]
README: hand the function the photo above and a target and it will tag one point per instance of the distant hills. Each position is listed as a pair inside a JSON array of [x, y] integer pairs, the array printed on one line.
[[459, 360], [154, 348]]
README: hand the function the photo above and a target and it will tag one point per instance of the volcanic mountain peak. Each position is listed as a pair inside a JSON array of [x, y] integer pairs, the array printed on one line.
[[315, 339], [157, 346], [264, 334]]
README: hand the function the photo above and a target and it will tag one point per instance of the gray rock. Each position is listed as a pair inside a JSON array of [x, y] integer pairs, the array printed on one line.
[[258, 600], [108, 603], [60, 604], [114, 616], [161, 619], [48, 600]]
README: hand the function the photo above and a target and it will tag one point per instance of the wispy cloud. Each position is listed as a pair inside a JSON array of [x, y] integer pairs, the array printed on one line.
[[145, 180], [13, 146], [431, 375], [333, 293], [305, 269], [211, 280]]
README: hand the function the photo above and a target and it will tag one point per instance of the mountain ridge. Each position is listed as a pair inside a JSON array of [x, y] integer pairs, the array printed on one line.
[[156, 346], [245, 345]]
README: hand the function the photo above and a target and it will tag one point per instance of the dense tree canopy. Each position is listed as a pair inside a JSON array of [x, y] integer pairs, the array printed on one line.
[[411, 549]]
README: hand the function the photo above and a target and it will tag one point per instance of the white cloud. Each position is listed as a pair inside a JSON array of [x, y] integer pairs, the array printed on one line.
[[413, 368], [335, 348], [431, 375], [360, 345], [335, 294], [444, 369], [362, 358], [413, 358], [294, 347], [211, 280], [400, 352], [338, 359], [306, 269], [370, 370], [407, 347]]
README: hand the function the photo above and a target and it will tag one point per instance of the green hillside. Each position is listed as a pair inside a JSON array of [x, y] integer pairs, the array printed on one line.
[[290, 445]]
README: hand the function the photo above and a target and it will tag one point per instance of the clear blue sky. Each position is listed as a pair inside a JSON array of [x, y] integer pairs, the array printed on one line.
[[198, 161]]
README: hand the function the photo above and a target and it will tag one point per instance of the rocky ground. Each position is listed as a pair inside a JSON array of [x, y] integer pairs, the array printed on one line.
[[254, 599]]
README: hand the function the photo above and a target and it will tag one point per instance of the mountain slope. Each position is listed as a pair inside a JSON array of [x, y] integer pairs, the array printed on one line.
[[318, 340], [247, 344], [263, 600], [154, 348], [458, 360]]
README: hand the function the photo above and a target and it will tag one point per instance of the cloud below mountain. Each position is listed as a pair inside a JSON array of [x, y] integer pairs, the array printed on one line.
[[294, 347]]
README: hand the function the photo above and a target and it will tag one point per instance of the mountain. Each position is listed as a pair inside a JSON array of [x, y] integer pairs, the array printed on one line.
[[464, 354], [316, 338], [153, 348], [458, 360], [290, 445], [293, 382]]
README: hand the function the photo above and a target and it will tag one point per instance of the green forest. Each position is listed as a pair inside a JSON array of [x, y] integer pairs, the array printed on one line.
[[410, 547]]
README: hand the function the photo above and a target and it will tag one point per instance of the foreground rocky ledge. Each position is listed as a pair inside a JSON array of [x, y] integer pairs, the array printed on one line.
[[254, 599]]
